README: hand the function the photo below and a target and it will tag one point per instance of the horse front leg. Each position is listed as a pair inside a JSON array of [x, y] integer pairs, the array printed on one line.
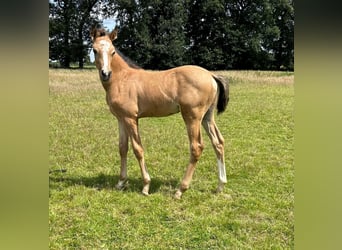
[[132, 128], [123, 149]]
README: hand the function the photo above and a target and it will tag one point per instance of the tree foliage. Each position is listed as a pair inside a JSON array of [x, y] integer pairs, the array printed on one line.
[[69, 24], [153, 32], [159, 34]]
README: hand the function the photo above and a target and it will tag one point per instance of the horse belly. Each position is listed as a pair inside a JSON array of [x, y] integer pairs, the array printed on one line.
[[158, 109]]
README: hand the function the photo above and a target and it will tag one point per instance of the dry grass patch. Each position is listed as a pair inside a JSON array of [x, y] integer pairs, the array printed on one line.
[[73, 80], [259, 77]]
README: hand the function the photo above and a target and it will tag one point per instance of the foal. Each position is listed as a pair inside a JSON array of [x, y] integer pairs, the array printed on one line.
[[133, 93]]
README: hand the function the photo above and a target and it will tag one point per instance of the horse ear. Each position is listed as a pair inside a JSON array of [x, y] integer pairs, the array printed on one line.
[[114, 34], [93, 34]]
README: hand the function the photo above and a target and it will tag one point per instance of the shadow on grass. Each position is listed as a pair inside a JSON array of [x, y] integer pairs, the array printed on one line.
[[103, 181]]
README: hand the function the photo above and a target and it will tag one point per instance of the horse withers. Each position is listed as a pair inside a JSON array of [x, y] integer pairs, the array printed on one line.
[[133, 93]]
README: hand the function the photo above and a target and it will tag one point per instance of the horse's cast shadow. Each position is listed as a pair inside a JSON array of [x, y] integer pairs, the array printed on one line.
[[105, 181]]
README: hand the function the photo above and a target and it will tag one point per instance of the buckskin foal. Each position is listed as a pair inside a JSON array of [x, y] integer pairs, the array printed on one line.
[[133, 93]]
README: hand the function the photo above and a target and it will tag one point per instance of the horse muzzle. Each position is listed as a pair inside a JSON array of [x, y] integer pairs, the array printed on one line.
[[105, 76]]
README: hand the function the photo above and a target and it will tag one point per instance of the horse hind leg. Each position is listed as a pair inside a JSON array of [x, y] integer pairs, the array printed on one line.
[[196, 148], [217, 142]]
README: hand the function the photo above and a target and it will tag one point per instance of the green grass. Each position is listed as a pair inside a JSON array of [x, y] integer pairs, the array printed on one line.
[[86, 212]]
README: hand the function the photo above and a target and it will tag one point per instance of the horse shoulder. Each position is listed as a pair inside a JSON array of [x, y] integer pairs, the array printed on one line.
[[122, 96]]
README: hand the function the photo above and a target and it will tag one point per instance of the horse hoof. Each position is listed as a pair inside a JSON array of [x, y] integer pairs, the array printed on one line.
[[121, 185], [178, 195], [145, 193], [220, 188], [145, 189]]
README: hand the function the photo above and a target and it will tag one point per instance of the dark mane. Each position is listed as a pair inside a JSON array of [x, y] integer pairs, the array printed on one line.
[[130, 63]]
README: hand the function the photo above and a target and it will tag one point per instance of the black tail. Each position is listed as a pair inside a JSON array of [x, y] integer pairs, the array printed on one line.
[[223, 97]]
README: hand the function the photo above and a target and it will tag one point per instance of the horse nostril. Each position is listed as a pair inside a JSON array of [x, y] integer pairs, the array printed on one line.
[[105, 75]]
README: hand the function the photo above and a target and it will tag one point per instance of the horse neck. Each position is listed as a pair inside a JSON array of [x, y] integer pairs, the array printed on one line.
[[118, 64]]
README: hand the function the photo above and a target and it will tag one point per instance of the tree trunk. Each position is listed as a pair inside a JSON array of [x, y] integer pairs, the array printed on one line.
[[80, 47]]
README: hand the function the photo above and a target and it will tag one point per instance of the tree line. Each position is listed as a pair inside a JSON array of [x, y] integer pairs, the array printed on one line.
[[159, 34]]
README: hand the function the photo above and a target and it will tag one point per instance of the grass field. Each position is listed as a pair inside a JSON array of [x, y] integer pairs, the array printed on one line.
[[86, 212]]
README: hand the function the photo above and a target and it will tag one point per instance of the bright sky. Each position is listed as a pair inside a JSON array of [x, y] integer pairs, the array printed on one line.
[[109, 23]]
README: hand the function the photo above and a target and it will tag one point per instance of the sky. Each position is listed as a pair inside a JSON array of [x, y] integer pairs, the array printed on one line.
[[109, 23]]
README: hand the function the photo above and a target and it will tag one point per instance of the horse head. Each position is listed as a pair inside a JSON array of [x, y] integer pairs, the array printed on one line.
[[104, 50]]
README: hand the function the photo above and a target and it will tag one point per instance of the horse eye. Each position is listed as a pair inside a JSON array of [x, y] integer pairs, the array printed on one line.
[[94, 51], [113, 53]]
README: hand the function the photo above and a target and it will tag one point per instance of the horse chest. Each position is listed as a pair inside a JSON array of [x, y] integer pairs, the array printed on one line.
[[121, 103]]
